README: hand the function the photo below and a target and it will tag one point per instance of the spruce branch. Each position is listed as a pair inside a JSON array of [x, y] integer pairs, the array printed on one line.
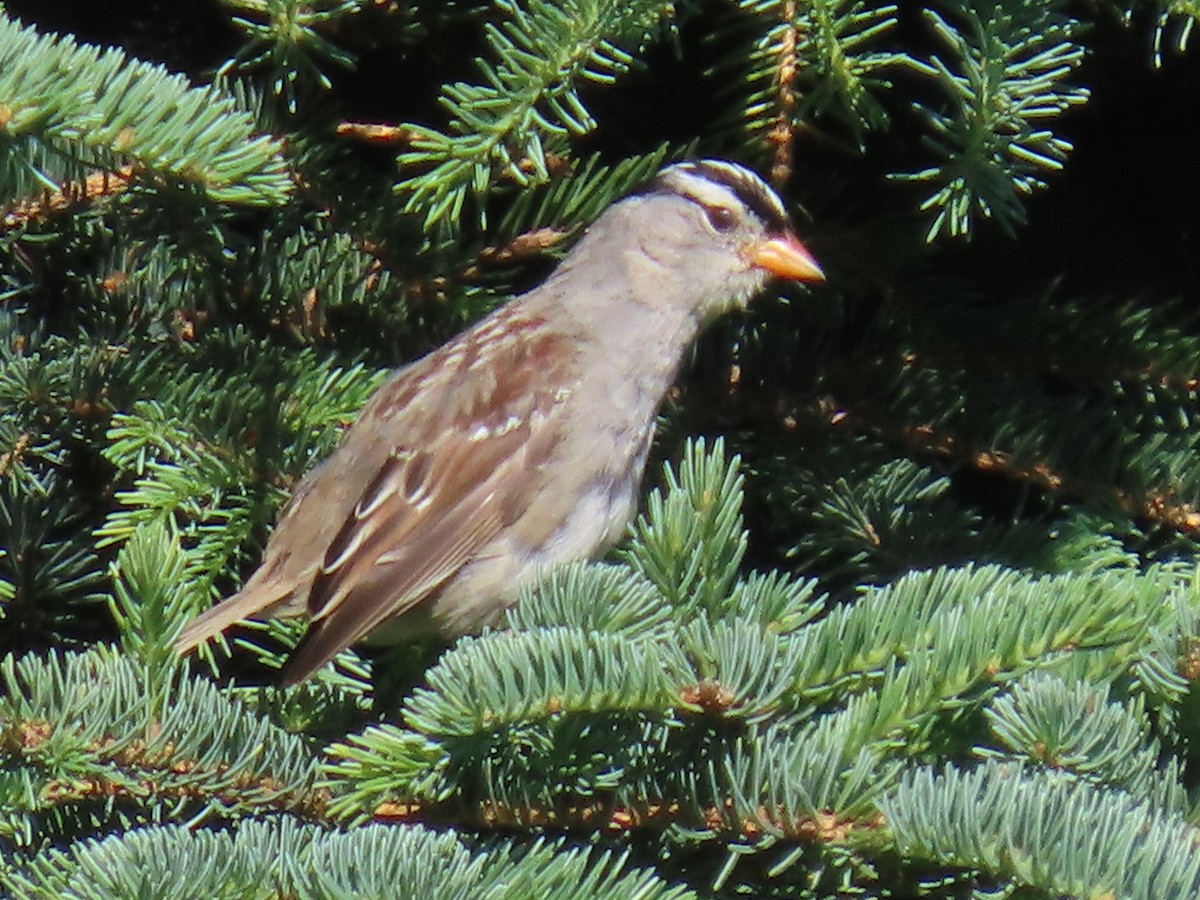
[[785, 103], [122, 111], [841, 66], [281, 858], [814, 783], [1073, 726], [203, 489], [596, 725], [289, 37], [94, 737], [980, 623], [690, 541], [742, 732], [1005, 77], [559, 205], [529, 102], [152, 599], [1044, 830], [485, 684], [593, 597], [49, 575], [819, 58], [1165, 668], [65, 197], [1165, 507]]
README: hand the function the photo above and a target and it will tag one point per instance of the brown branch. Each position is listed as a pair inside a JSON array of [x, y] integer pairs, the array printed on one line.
[[1162, 508], [150, 768], [785, 98], [10, 459], [824, 828], [73, 193], [530, 243], [375, 133], [737, 407]]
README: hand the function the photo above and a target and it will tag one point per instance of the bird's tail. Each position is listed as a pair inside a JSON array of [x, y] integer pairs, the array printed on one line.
[[249, 603]]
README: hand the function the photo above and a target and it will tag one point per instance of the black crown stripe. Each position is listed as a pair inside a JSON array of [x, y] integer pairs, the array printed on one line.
[[742, 183]]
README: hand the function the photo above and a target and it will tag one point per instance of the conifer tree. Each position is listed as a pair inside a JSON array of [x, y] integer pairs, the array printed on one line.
[[912, 606]]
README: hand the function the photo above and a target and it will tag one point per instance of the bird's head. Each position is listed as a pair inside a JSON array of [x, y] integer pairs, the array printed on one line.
[[717, 228]]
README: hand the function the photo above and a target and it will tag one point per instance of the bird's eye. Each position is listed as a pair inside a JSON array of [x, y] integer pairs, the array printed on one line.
[[721, 218]]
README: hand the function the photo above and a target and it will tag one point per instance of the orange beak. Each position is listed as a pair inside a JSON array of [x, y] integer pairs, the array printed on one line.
[[785, 257]]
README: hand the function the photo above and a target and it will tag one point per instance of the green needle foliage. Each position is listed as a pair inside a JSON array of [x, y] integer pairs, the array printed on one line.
[[542, 52], [1014, 60], [1042, 828], [105, 106], [842, 63], [288, 860], [912, 606], [287, 37]]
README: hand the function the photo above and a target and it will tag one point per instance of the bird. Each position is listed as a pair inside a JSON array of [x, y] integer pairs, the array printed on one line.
[[520, 444]]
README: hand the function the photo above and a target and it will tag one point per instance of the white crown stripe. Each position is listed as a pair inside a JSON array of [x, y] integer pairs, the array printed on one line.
[[712, 181]]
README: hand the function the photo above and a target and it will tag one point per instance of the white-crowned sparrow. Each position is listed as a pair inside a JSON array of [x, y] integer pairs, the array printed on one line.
[[521, 442]]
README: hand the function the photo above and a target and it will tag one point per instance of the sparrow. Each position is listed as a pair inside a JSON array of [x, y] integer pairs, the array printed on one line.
[[519, 444]]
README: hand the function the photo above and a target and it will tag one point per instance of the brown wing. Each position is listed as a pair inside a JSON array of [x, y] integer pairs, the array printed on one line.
[[306, 525], [442, 495]]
